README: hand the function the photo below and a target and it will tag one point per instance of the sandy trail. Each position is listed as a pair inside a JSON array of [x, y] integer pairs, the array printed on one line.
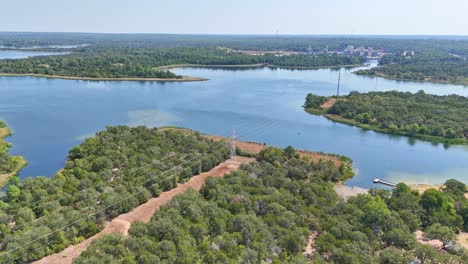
[[4, 132], [437, 244], [346, 192], [422, 187], [329, 103], [121, 224], [253, 147], [310, 247], [463, 239]]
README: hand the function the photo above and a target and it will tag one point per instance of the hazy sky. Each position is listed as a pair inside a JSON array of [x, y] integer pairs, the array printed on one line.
[[431, 17]]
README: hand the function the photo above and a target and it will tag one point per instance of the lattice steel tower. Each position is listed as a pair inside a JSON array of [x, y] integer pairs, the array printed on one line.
[[233, 146]]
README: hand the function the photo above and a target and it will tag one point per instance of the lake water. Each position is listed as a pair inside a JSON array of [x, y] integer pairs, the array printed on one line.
[[45, 47], [19, 54], [49, 116]]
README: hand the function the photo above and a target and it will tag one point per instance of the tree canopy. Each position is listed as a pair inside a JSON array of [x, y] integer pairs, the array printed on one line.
[[125, 62], [423, 66], [266, 211], [420, 115], [103, 177]]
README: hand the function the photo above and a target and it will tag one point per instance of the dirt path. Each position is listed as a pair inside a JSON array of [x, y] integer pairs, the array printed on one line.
[[310, 247], [4, 132], [346, 192], [253, 147], [143, 213], [329, 103], [422, 187], [463, 239], [437, 244]]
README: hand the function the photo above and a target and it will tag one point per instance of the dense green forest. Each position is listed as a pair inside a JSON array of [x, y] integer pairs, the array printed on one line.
[[300, 43], [8, 164], [103, 177], [266, 211], [437, 58], [421, 115], [423, 66], [123, 62]]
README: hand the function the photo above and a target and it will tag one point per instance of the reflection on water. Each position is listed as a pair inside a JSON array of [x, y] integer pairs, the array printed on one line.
[[17, 54], [49, 116], [151, 118]]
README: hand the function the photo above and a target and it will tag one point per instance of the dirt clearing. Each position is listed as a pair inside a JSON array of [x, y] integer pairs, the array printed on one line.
[[255, 148], [329, 103], [121, 224]]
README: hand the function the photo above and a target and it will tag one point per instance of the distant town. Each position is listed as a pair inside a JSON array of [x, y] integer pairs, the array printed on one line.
[[369, 52]]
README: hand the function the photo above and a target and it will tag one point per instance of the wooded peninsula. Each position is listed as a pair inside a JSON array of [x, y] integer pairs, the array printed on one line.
[[107, 62], [422, 66], [9, 165], [266, 211], [420, 115]]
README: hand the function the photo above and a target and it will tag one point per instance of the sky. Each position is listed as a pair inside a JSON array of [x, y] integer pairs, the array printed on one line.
[[342, 17]]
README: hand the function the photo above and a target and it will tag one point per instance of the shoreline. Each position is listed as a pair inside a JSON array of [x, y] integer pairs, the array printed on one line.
[[257, 65], [176, 66], [4, 178], [342, 120], [143, 212], [253, 148], [183, 79], [388, 77]]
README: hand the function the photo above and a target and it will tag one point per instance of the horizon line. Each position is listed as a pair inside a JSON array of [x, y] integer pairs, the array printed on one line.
[[235, 34]]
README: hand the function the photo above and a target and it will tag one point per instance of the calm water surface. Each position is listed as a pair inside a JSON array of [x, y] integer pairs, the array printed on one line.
[[18, 54], [49, 116]]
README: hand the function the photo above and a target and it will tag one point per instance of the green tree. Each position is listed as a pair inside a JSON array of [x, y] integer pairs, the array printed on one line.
[[438, 231], [13, 193]]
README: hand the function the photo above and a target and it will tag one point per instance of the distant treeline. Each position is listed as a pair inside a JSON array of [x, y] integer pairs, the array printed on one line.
[[119, 62], [122, 55], [392, 44], [104, 176], [424, 66], [421, 115], [266, 212]]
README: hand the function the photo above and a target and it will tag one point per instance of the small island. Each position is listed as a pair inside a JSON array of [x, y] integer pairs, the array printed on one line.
[[9, 165], [419, 115]]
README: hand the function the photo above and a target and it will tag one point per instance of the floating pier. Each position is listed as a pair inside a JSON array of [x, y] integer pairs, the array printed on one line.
[[377, 180]]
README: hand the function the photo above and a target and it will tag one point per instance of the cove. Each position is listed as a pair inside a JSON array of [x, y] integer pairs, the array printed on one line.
[[21, 54], [49, 116]]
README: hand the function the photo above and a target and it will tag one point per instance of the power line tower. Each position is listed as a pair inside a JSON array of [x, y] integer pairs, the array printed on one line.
[[338, 88], [232, 158]]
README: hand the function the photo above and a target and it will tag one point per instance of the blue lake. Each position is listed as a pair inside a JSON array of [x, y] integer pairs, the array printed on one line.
[[49, 116], [19, 54]]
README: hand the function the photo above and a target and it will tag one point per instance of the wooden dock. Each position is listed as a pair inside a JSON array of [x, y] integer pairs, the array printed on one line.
[[377, 180]]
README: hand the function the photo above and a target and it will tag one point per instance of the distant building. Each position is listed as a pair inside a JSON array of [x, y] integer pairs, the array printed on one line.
[[369, 52]]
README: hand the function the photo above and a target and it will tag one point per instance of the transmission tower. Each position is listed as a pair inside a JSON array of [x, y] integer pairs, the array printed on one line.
[[338, 88], [233, 147]]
